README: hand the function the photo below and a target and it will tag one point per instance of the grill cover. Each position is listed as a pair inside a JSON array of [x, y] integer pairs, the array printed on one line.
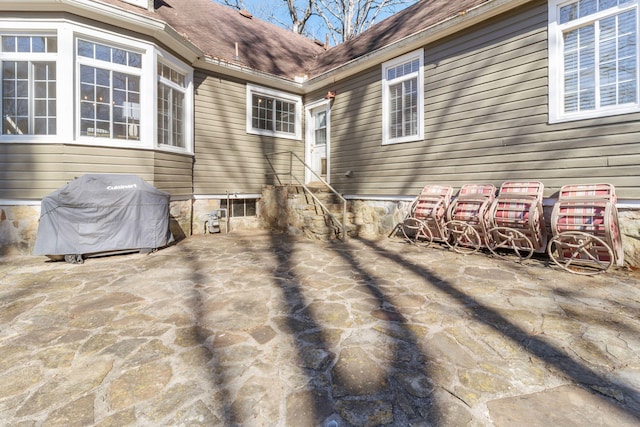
[[99, 213]]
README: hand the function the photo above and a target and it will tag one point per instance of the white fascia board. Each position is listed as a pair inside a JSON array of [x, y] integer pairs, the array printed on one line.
[[109, 14]]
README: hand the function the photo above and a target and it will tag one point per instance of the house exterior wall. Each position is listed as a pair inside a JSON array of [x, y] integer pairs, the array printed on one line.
[[31, 171], [228, 159], [486, 120]]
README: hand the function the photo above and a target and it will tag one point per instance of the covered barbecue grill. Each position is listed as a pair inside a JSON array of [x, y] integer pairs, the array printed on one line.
[[102, 213]]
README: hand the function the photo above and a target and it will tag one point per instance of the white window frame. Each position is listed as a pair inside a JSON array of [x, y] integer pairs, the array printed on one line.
[[169, 60], [146, 105], [556, 63], [278, 95], [386, 85], [28, 29], [68, 81]]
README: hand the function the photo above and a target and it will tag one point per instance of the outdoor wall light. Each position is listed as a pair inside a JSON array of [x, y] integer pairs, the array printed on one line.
[[330, 95], [348, 174]]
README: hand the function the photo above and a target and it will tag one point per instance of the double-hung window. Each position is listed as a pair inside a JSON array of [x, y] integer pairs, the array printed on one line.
[[593, 58], [109, 91], [171, 106], [29, 84], [402, 99], [273, 113]]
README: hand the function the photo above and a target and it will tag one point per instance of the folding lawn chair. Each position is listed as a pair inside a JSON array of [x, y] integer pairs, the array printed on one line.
[[586, 234], [427, 215], [468, 218], [517, 221]]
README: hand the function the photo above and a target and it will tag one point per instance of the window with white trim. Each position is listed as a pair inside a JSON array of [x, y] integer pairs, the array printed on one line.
[[103, 75], [403, 99], [109, 91], [29, 84], [593, 58], [171, 107], [273, 113]]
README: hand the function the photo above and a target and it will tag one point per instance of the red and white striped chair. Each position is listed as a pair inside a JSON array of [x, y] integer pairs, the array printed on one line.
[[468, 218], [427, 215], [517, 221], [586, 234]]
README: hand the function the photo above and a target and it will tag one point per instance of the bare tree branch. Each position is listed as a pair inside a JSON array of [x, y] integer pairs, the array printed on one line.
[[339, 20]]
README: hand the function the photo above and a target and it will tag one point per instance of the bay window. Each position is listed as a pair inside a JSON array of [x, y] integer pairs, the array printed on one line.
[[118, 91]]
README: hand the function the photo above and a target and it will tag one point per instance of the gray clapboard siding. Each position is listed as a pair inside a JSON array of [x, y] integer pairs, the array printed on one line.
[[172, 173], [227, 157], [31, 171], [486, 120]]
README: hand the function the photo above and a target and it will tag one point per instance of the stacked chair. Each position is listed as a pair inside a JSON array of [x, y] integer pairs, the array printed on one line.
[[427, 215], [586, 234], [517, 221], [468, 218], [585, 238]]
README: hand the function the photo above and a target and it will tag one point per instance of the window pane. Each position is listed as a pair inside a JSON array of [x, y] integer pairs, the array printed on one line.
[[395, 111], [24, 44], [103, 53], [135, 60], [628, 92], [587, 7], [119, 56], [52, 44], [250, 207], [608, 95], [85, 48], [262, 113], [8, 43]]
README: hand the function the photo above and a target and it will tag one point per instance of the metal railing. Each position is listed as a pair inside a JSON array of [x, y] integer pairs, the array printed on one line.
[[293, 179]]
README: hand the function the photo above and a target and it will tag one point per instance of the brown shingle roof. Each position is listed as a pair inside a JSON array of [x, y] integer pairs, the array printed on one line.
[[215, 29]]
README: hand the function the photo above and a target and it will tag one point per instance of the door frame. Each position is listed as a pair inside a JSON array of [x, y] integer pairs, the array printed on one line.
[[309, 137]]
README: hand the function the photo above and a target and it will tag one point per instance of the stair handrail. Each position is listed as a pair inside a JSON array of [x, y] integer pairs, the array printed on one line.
[[292, 176]]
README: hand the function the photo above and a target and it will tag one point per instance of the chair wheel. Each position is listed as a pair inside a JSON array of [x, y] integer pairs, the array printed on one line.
[[580, 253], [511, 239], [463, 237], [416, 232]]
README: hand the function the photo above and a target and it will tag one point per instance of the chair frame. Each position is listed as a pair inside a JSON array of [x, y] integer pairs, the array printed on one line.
[[427, 216], [517, 220], [584, 221], [468, 218]]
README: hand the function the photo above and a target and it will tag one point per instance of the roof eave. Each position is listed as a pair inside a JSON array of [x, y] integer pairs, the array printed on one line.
[[228, 68], [431, 34]]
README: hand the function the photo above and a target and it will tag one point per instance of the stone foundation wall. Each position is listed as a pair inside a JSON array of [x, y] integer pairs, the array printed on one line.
[[18, 228], [180, 213], [281, 209], [630, 230], [201, 209]]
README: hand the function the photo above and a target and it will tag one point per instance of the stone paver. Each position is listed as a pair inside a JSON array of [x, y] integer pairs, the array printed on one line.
[[272, 330]]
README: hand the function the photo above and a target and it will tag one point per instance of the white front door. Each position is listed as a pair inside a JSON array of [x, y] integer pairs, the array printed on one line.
[[317, 143]]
